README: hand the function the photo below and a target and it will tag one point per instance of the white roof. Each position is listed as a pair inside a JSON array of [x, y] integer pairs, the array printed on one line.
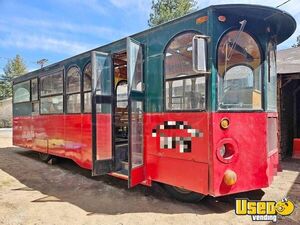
[[288, 61]]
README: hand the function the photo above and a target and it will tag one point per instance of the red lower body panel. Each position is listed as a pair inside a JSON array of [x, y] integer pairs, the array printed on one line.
[[180, 149], [177, 149], [273, 165], [68, 136], [185, 174], [296, 148], [253, 163]]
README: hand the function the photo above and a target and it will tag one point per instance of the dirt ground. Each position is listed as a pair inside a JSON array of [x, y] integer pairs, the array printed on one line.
[[32, 192]]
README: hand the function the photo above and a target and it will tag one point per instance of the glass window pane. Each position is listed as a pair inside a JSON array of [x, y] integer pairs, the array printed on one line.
[[87, 78], [272, 80], [122, 95], [135, 75], [240, 72], [104, 132], [22, 92], [52, 84], [87, 102], [34, 90], [73, 80], [186, 94], [52, 105], [178, 57], [74, 103], [35, 108], [103, 74], [177, 95], [136, 133], [183, 93]]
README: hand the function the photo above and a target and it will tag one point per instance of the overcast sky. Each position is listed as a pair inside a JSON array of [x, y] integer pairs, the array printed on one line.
[[57, 29]]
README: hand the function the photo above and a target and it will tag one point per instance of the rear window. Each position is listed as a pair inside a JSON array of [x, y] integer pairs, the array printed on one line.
[[22, 92]]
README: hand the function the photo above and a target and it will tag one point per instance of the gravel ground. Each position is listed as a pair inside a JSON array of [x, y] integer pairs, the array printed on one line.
[[32, 192]]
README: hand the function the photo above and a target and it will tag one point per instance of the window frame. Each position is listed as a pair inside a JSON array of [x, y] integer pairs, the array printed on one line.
[[85, 92], [13, 91], [116, 92], [271, 46], [31, 101], [199, 74], [56, 113], [62, 71], [51, 73], [67, 94], [32, 107], [242, 64], [37, 83], [35, 101], [263, 58]]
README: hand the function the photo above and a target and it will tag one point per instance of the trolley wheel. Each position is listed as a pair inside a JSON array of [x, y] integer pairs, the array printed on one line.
[[44, 157], [183, 194]]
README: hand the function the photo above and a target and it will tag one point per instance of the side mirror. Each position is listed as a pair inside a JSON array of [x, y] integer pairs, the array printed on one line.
[[200, 53]]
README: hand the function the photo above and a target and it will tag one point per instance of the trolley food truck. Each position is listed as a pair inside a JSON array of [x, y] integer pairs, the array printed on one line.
[[190, 104]]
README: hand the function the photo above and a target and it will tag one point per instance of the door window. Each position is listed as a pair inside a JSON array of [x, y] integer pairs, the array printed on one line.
[[103, 79], [137, 133], [135, 66]]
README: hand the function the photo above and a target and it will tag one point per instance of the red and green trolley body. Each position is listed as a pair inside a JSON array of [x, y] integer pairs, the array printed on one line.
[[190, 103]]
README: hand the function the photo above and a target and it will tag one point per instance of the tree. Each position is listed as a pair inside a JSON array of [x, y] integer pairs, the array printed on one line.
[[14, 68], [298, 43], [165, 10]]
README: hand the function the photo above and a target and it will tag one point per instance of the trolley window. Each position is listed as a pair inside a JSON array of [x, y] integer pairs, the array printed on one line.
[[73, 80], [272, 79], [122, 94], [73, 90], [87, 77], [52, 84], [34, 90], [184, 87], [239, 72], [87, 87], [52, 105], [22, 92], [51, 93]]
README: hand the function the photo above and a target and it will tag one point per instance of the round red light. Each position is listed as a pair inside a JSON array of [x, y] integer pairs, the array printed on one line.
[[227, 150], [222, 18]]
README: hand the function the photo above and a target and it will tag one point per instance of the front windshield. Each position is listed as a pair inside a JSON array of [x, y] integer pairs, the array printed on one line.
[[239, 72]]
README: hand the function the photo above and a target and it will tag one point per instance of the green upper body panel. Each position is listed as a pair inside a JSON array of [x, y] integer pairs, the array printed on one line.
[[155, 40]]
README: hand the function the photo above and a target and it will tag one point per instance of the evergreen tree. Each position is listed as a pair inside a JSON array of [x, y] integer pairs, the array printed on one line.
[[298, 43], [166, 10], [14, 68]]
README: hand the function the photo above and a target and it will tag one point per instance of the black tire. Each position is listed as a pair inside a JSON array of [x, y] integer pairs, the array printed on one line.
[[183, 195], [45, 157]]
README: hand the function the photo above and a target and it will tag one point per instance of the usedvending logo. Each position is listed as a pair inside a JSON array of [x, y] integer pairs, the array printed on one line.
[[264, 210]]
